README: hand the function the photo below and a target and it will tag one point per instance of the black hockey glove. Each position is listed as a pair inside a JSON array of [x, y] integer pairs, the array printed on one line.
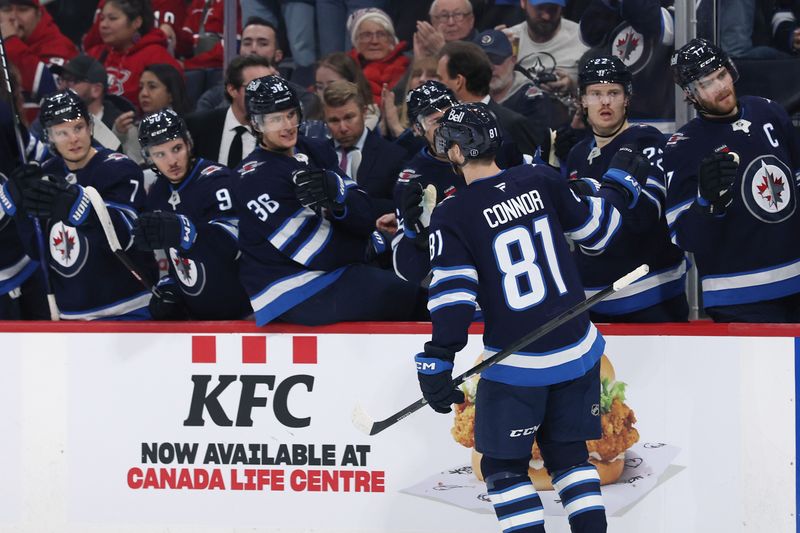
[[13, 187], [56, 199], [160, 230], [436, 379], [168, 305], [416, 207], [715, 182], [321, 188], [584, 186], [627, 173], [566, 138]]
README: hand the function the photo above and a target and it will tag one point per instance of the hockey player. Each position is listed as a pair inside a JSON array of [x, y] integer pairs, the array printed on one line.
[[502, 242], [617, 152], [88, 281], [304, 229], [190, 216], [732, 192]]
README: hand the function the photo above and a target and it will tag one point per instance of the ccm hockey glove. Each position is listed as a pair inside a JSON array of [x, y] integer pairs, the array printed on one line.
[[435, 373], [715, 182], [159, 231], [627, 172], [56, 199], [321, 188]]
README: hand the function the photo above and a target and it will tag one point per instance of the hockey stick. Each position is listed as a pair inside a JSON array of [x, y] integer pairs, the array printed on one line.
[[51, 297], [365, 423], [113, 242]]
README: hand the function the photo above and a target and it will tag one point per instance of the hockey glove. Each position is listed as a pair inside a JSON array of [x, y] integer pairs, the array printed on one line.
[[584, 186], [566, 138], [321, 188], [168, 305], [13, 187], [56, 199], [416, 208], [160, 230], [626, 173], [436, 381], [715, 182]]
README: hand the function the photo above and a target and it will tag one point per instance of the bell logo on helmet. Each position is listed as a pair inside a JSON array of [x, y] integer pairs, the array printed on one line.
[[455, 116]]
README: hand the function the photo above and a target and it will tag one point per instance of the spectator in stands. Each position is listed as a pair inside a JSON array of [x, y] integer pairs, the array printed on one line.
[[200, 38], [335, 13], [451, 20], [300, 30], [513, 89], [130, 43], [160, 86], [394, 117], [467, 71], [87, 77], [548, 43], [363, 154], [33, 42], [737, 32], [223, 134], [376, 49], [785, 29], [169, 16]]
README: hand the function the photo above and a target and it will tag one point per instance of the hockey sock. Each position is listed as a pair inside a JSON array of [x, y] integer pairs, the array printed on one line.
[[516, 503], [579, 489]]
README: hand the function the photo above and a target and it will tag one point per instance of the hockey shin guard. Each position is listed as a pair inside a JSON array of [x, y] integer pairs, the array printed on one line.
[[516, 503], [579, 489]]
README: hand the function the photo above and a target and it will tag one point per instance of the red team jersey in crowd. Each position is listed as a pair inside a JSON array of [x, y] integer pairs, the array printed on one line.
[[172, 12]]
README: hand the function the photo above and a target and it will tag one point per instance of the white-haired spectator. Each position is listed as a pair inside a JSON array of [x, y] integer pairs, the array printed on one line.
[[376, 49], [451, 20]]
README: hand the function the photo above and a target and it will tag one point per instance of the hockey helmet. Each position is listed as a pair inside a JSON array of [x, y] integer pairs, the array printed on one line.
[[160, 127], [698, 58], [269, 94], [473, 127], [61, 107], [430, 97], [605, 69]]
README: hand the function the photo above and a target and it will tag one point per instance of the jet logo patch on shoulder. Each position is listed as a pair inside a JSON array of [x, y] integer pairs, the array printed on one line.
[[767, 189]]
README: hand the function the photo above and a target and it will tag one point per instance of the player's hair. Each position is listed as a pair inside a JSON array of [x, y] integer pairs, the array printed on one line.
[[136, 8], [234, 73], [341, 92], [172, 79], [471, 62]]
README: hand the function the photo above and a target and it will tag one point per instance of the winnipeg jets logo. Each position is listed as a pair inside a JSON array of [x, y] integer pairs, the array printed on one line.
[[594, 153], [741, 125], [303, 158], [248, 167], [190, 274], [210, 170], [71, 178], [116, 156], [632, 48], [67, 249], [767, 189], [174, 200]]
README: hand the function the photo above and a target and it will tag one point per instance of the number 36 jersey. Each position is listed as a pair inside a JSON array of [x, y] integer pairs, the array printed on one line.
[[502, 242]]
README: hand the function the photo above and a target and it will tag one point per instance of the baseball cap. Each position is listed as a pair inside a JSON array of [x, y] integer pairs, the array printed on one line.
[[495, 44], [562, 3], [83, 68]]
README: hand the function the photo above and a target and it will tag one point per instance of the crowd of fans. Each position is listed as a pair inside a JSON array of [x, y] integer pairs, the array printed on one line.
[[367, 76]]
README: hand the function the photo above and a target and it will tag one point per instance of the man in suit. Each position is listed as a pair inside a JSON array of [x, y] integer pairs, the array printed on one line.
[[371, 161], [467, 71], [223, 135]]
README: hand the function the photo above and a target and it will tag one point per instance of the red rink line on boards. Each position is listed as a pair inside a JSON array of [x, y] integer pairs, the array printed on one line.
[[700, 328]]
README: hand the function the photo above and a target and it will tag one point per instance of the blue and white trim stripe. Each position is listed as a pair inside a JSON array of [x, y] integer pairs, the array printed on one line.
[[747, 287], [285, 293], [676, 211], [654, 288], [114, 310], [15, 275], [228, 225], [453, 297], [613, 225], [647, 194], [522, 520], [513, 494], [574, 477], [553, 358], [442, 274], [592, 224], [579, 489], [274, 291], [290, 228], [314, 244], [128, 216]]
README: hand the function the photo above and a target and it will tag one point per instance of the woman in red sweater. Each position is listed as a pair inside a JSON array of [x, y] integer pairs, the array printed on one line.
[[376, 49], [130, 43]]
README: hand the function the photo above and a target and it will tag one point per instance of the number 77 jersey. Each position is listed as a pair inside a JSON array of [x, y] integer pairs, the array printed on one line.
[[503, 243]]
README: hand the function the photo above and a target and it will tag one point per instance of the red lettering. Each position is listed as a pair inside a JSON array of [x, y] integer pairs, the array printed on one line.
[[135, 478]]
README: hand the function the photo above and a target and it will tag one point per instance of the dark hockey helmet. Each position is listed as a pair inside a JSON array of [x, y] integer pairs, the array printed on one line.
[[160, 127], [473, 127], [61, 107], [269, 94], [696, 59], [605, 69], [430, 97]]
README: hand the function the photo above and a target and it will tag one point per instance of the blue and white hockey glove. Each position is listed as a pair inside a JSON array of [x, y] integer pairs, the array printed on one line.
[[321, 188], [56, 199], [436, 380], [627, 172], [715, 182], [160, 230]]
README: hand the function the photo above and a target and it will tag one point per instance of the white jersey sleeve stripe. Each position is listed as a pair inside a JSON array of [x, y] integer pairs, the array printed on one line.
[[289, 229], [314, 245], [460, 272]]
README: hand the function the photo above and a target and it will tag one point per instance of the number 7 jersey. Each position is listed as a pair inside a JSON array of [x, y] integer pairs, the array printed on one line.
[[503, 243]]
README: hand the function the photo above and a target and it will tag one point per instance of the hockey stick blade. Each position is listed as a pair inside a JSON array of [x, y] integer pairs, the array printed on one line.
[[368, 425]]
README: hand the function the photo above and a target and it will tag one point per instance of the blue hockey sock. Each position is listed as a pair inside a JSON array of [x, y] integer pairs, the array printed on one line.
[[579, 489], [516, 503]]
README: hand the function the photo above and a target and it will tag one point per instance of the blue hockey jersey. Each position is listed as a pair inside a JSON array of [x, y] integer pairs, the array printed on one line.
[[643, 237], [500, 243], [89, 282], [751, 253], [290, 252], [207, 273]]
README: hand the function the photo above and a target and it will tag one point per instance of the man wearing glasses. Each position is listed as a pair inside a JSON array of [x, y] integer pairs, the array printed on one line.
[[451, 20]]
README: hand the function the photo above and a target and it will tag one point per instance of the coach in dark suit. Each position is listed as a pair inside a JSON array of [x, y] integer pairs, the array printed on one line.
[[223, 135], [374, 163]]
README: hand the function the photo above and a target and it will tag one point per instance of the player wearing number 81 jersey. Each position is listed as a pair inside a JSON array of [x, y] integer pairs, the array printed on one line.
[[502, 242]]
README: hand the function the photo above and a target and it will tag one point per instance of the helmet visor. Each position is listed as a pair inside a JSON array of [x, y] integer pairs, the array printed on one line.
[[278, 121]]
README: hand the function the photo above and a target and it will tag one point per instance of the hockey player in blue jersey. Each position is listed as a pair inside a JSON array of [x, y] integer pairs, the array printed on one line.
[[616, 152], [305, 230], [88, 281], [502, 242], [189, 214], [732, 192]]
